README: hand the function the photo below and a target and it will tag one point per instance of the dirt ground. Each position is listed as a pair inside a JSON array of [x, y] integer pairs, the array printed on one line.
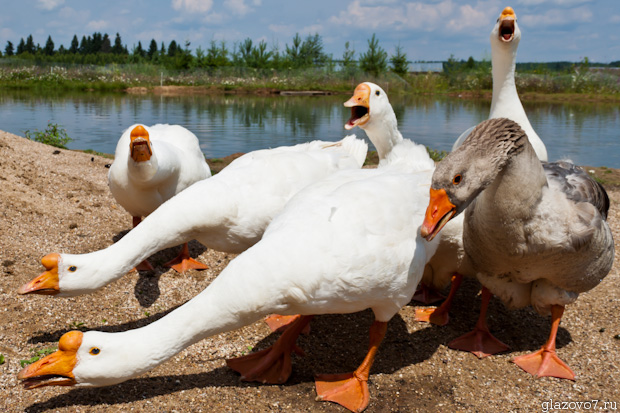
[[58, 201]]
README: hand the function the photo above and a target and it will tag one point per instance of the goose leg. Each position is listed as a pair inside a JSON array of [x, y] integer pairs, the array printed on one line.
[[440, 315], [144, 265], [184, 262], [278, 323], [427, 295], [272, 365], [351, 389], [545, 361], [480, 341]]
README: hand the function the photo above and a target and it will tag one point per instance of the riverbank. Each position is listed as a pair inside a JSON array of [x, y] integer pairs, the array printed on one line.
[[58, 200]]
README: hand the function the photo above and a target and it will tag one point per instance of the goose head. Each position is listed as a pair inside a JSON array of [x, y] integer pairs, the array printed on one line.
[[371, 110], [140, 148], [506, 31], [68, 275], [463, 174], [368, 103], [90, 359]]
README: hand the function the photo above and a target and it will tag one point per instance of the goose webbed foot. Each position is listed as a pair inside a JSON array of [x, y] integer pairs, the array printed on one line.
[[184, 262], [272, 365], [278, 323]]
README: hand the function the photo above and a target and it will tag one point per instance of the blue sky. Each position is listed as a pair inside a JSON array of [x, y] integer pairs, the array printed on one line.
[[552, 30]]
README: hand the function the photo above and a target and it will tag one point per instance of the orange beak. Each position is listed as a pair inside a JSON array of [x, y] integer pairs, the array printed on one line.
[[55, 369], [360, 106], [439, 211], [140, 145], [507, 24], [47, 282]]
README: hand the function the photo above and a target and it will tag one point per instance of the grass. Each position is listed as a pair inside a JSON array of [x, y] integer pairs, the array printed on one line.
[[38, 354], [103, 155], [120, 77]]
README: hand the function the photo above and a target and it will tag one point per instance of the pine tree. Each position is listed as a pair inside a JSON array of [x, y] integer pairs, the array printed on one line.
[[8, 50], [49, 46], [400, 66], [118, 45], [374, 61], [21, 46], [172, 48], [138, 50], [106, 46], [152, 49], [74, 45], [83, 49], [30, 47]]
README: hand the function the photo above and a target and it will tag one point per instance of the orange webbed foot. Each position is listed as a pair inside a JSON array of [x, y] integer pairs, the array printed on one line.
[[543, 363], [480, 342], [432, 315], [182, 265], [144, 266], [347, 390], [265, 366], [184, 262], [278, 323], [272, 365]]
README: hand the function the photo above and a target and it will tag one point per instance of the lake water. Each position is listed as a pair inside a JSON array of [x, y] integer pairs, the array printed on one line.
[[587, 133]]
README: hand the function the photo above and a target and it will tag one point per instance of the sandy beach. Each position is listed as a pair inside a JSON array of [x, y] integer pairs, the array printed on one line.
[[54, 200]]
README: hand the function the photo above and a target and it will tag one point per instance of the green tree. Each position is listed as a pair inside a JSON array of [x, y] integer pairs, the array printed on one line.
[[74, 45], [8, 50], [138, 50], [217, 56], [106, 46], [30, 48], [306, 53], [118, 48], [49, 46], [152, 49], [348, 59], [21, 46], [84, 46], [400, 66], [374, 61], [172, 48]]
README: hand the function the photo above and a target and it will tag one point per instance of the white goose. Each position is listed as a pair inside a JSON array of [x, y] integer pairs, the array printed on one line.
[[151, 165], [228, 212], [341, 245], [536, 233], [505, 102]]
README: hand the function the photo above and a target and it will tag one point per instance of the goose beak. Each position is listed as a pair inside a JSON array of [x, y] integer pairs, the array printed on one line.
[[507, 25], [360, 106], [140, 145], [55, 369], [439, 211], [47, 282]]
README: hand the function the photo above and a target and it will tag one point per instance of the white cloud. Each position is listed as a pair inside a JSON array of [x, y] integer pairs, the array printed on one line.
[[558, 17], [49, 4], [193, 6], [240, 7], [97, 24], [446, 15], [554, 2], [615, 19]]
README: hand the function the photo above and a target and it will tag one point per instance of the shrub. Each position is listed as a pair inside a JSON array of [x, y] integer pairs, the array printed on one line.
[[53, 135]]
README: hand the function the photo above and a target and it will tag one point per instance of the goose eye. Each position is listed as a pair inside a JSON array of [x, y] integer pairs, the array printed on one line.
[[377, 93], [73, 268], [457, 179], [94, 351]]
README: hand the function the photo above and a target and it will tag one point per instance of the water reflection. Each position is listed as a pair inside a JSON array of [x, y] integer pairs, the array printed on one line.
[[225, 124]]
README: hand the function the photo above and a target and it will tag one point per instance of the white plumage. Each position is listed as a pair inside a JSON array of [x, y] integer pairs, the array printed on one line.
[[228, 212]]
